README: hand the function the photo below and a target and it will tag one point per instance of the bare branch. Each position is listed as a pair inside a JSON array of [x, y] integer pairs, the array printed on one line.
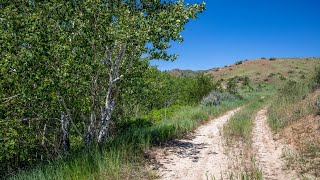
[[69, 116], [117, 79], [43, 134]]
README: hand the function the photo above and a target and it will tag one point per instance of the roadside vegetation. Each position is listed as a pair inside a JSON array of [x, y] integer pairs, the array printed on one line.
[[123, 156], [294, 114], [290, 104], [240, 126], [292, 101]]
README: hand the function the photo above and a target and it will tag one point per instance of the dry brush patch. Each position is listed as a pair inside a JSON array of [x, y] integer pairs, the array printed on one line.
[[304, 136]]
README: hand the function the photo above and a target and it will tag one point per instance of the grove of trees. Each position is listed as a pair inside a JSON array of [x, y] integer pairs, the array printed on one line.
[[70, 70]]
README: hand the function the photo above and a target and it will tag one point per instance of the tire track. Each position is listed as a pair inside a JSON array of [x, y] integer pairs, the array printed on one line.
[[267, 151], [200, 157]]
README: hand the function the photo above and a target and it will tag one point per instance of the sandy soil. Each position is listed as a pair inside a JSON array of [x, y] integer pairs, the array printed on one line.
[[201, 156], [204, 154], [268, 152]]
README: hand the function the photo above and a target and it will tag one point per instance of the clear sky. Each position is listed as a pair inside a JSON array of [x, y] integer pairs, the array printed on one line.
[[233, 30]]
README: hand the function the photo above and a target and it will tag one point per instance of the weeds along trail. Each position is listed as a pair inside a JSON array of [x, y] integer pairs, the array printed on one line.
[[199, 157], [267, 151]]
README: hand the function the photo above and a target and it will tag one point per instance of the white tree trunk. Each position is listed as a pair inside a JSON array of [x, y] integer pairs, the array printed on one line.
[[91, 127], [110, 100], [65, 133]]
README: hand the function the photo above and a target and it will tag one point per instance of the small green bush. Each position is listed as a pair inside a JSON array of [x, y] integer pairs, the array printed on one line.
[[232, 85], [316, 77], [290, 72], [282, 78], [216, 98], [271, 75], [273, 59]]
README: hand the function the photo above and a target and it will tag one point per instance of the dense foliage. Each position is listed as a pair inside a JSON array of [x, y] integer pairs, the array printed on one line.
[[70, 69]]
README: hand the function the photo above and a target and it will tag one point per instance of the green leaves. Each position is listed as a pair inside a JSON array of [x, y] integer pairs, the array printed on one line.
[[55, 49]]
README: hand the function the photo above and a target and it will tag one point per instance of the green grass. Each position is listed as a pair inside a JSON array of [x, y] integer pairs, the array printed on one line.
[[239, 127], [290, 104], [280, 65], [123, 155], [293, 102], [238, 132]]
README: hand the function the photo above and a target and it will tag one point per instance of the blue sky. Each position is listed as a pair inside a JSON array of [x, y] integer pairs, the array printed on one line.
[[233, 30]]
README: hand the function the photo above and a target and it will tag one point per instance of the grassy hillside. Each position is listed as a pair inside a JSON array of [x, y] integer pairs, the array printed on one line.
[[295, 114], [273, 71]]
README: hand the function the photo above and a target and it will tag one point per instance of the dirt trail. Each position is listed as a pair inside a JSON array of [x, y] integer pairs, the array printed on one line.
[[268, 152], [199, 157]]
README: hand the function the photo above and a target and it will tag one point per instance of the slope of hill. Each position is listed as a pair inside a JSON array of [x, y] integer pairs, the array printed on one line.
[[274, 70], [184, 73]]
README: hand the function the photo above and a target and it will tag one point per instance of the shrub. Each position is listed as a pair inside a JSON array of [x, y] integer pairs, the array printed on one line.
[[271, 75], [232, 85], [272, 59], [263, 58], [290, 72], [246, 81], [282, 78], [215, 98], [302, 76], [316, 77], [239, 62]]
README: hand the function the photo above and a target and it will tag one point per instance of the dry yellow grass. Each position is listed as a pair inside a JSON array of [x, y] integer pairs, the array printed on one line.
[[268, 71]]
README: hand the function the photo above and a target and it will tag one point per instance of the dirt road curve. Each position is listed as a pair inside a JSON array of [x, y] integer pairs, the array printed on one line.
[[267, 151], [199, 157]]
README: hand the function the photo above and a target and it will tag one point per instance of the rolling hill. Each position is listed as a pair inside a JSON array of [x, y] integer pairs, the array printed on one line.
[[274, 70]]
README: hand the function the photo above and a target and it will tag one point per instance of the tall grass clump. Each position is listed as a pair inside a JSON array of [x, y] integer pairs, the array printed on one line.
[[316, 78], [240, 126], [292, 102]]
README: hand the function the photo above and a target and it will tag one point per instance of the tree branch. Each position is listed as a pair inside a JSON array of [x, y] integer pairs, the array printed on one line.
[[69, 116]]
